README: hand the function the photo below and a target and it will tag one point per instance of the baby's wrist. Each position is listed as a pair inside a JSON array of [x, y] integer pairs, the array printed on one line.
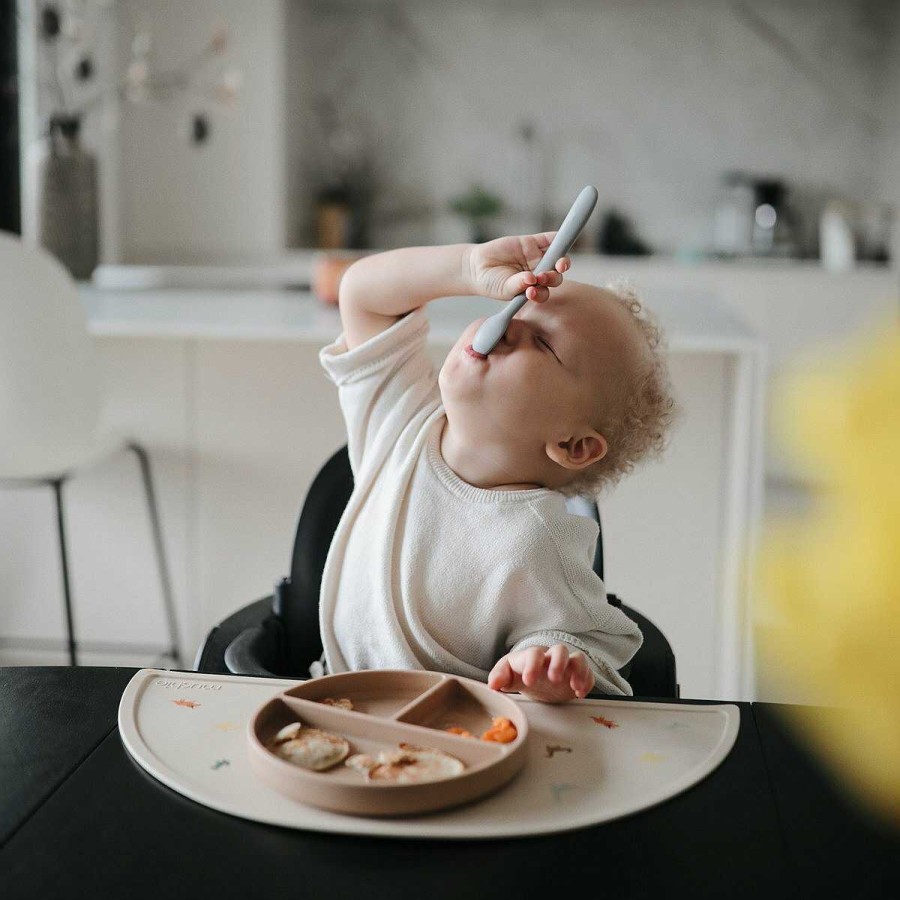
[[467, 269]]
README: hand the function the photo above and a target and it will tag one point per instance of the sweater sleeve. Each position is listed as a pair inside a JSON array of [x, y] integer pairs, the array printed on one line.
[[575, 610], [382, 384], [605, 653]]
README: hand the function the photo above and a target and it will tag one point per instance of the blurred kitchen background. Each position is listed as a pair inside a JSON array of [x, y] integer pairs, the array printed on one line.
[[204, 168], [227, 130]]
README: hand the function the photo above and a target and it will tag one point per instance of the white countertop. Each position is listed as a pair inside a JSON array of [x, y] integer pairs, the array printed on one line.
[[294, 268], [693, 324]]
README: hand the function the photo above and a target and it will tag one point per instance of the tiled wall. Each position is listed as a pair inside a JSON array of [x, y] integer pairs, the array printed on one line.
[[650, 99]]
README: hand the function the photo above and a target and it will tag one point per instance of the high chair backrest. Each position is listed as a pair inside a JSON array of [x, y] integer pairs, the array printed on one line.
[[49, 386], [322, 510]]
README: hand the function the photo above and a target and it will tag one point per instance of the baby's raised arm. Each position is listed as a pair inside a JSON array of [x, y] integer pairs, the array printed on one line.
[[377, 290]]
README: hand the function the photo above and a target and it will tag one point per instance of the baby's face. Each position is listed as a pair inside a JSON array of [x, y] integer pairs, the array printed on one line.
[[546, 377]]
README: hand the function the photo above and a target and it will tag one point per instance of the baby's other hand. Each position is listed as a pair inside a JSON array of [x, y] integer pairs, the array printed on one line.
[[549, 674], [502, 269]]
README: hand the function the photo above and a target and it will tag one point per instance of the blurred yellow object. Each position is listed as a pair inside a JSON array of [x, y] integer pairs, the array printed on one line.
[[832, 580]]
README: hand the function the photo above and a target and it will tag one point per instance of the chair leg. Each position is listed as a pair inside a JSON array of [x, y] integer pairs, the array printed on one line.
[[67, 593], [144, 461]]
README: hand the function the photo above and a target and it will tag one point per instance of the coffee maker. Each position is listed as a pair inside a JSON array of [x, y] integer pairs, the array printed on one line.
[[754, 218]]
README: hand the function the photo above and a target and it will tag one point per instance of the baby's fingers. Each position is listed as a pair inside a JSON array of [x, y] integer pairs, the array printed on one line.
[[538, 286], [537, 293], [563, 264], [538, 244], [581, 678], [550, 279], [533, 667], [558, 655], [501, 676], [529, 284]]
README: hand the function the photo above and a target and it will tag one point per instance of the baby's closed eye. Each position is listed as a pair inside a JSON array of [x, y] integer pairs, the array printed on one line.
[[546, 345]]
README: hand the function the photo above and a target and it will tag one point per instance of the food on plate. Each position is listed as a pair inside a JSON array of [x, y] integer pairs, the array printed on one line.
[[287, 733], [501, 732], [310, 748], [407, 765], [362, 763], [343, 703], [455, 729]]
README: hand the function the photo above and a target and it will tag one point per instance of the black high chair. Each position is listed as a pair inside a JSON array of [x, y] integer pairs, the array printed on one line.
[[278, 636]]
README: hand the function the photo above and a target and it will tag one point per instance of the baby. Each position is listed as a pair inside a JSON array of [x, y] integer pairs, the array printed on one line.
[[456, 551]]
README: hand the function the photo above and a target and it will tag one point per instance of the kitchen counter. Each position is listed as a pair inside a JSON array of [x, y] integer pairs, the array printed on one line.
[[692, 324]]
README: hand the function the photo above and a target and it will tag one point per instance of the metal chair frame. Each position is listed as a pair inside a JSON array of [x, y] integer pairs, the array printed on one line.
[[57, 483]]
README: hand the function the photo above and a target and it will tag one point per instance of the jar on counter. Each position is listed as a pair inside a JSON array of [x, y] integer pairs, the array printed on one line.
[[774, 222], [733, 227]]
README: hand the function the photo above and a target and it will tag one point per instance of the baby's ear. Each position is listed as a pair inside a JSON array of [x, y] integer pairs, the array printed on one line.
[[578, 451]]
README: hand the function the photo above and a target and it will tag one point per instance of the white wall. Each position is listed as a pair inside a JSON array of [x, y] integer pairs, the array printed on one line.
[[162, 198], [225, 198]]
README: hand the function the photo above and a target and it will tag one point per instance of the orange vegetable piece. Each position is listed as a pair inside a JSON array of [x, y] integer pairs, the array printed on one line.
[[460, 731], [502, 732]]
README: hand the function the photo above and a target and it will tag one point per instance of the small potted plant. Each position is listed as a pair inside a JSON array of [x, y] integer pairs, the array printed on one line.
[[478, 206]]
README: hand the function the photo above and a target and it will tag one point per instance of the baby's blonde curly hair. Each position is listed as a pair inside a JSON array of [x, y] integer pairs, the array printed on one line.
[[636, 419]]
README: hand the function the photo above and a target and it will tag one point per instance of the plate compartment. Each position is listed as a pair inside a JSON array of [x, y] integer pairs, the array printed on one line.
[[416, 709]]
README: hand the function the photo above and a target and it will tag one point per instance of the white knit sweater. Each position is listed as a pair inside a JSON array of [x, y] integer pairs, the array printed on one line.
[[429, 572]]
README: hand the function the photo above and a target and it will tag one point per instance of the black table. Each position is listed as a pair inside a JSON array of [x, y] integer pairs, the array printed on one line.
[[79, 818]]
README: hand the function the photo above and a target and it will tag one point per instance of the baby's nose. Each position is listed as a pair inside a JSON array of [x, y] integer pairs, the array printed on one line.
[[514, 333]]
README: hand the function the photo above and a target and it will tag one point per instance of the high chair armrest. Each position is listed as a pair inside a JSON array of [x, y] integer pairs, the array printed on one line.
[[211, 653]]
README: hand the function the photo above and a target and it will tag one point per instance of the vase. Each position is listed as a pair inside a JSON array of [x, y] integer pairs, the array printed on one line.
[[65, 208]]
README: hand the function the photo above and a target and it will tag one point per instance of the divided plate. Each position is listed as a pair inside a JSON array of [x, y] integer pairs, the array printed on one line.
[[390, 708], [587, 762]]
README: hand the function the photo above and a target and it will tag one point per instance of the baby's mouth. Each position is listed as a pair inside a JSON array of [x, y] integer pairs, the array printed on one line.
[[474, 353]]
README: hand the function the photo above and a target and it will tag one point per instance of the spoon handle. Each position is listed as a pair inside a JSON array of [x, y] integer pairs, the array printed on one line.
[[495, 327], [574, 221]]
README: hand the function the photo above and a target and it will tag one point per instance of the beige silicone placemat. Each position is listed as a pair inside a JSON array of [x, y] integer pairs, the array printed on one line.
[[588, 762]]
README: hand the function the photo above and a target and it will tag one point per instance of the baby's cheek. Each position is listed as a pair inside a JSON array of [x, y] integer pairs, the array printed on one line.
[[534, 391], [518, 413], [447, 379]]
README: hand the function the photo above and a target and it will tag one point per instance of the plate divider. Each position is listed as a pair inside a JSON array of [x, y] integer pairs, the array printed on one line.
[[351, 724], [448, 684]]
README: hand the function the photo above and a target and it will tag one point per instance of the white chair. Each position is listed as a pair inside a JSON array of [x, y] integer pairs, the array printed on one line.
[[50, 399]]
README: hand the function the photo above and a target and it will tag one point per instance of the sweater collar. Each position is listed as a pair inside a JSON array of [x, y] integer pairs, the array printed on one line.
[[463, 489]]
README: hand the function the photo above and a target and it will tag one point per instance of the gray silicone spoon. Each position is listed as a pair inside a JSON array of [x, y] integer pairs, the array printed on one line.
[[488, 335]]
